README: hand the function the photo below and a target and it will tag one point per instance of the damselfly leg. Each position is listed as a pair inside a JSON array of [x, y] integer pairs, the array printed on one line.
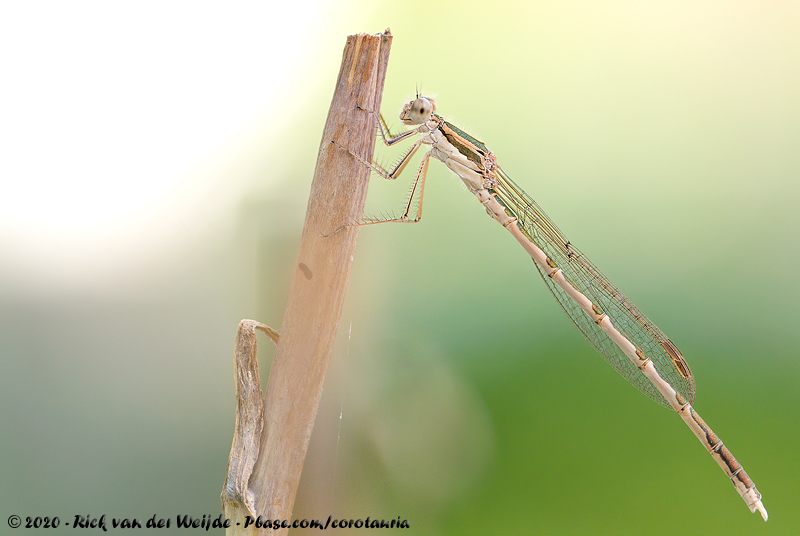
[[418, 186]]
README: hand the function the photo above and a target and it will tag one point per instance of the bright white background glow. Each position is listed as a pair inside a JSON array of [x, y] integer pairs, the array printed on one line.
[[123, 123]]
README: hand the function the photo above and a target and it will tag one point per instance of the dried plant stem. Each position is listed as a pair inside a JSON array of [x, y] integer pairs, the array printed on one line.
[[317, 293]]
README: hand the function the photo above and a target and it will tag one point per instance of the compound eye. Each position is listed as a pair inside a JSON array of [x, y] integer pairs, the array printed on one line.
[[421, 107]]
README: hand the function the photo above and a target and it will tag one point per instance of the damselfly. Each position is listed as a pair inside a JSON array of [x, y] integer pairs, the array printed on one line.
[[627, 339]]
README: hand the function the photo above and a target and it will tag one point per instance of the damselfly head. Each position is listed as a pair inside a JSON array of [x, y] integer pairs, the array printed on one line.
[[418, 111]]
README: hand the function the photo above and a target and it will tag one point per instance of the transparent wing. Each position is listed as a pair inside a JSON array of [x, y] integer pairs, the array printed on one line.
[[583, 275]]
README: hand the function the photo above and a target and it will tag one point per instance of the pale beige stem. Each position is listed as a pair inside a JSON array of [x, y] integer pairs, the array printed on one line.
[[321, 274]]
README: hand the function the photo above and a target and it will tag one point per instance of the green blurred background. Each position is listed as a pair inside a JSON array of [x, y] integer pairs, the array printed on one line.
[[156, 164]]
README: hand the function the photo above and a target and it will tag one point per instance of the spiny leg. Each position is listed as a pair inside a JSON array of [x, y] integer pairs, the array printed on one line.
[[418, 185], [420, 180], [380, 170], [386, 134], [389, 139]]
